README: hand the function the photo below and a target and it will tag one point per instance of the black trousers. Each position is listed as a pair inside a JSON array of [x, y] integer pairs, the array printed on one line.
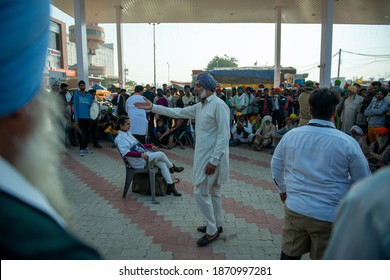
[[84, 126]]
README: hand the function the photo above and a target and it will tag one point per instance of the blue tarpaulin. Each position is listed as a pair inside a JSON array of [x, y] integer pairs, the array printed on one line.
[[98, 87]]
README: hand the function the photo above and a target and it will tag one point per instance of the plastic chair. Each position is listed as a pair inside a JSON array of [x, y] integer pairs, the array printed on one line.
[[130, 172]]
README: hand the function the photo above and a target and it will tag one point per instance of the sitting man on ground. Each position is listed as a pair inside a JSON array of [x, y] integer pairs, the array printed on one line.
[[161, 134], [379, 151], [278, 134], [242, 131], [136, 154], [263, 136]]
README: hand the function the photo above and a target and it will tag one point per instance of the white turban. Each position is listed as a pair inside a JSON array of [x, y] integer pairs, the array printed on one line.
[[267, 118], [357, 129]]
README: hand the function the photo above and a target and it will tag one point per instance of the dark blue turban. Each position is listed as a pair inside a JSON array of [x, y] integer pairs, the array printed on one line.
[[207, 81], [25, 25]]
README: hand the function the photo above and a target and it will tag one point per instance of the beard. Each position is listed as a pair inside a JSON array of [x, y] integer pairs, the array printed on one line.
[[202, 94], [382, 141], [38, 159]]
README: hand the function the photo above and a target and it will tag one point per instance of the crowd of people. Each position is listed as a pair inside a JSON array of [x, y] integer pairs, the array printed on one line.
[[328, 141], [266, 118]]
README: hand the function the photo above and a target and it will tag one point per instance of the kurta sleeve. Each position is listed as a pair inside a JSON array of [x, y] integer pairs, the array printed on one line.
[[223, 119]]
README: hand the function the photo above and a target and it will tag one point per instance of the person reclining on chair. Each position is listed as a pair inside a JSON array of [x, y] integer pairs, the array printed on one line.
[[136, 154]]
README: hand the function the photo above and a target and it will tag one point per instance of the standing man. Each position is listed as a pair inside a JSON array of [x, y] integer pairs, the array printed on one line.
[[314, 166], [32, 203], [211, 157], [138, 120], [82, 101], [303, 100], [120, 102], [65, 98], [150, 95], [349, 112]]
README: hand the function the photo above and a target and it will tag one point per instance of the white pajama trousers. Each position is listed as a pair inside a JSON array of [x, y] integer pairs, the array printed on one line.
[[209, 200], [162, 162]]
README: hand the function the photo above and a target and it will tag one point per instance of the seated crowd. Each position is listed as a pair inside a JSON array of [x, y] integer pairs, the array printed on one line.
[[258, 118]]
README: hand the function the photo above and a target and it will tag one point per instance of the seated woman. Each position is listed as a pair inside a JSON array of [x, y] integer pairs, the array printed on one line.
[[136, 154]]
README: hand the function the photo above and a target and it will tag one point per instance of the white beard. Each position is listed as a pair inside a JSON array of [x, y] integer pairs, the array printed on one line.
[[203, 94], [38, 160]]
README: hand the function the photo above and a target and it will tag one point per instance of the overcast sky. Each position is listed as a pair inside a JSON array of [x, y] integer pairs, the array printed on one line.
[[191, 46]]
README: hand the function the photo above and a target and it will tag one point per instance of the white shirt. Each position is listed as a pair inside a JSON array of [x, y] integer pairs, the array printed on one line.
[[317, 166], [139, 122], [14, 184], [128, 143], [212, 135]]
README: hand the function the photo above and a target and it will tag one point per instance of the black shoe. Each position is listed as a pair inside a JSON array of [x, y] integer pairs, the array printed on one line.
[[205, 240], [172, 189], [174, 169], [203, 229], [97, 146]]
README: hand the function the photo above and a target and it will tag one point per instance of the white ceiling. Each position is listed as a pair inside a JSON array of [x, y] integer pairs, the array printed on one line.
[[230, 11]]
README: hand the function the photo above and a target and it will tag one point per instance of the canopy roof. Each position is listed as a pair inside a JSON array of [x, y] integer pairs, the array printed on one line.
[[230, 11]]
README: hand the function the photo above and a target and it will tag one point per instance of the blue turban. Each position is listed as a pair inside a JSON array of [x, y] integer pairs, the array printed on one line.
[[207, 81], [25, 25]]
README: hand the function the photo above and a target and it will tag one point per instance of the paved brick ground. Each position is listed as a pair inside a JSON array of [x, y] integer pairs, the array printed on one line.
[[134, 228]]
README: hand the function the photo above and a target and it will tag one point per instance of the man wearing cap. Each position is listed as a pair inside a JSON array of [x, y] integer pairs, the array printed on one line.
[[379, 151], [349, 113], [303, 100], [32, 203], [313, 167], [211, 157]]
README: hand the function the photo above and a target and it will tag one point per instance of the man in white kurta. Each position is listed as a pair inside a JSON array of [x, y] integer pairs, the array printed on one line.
[[139, 122], [211, 157], [349, 113]]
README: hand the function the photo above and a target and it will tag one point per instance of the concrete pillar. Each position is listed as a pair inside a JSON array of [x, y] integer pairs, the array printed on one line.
[[278, 32], [326, 43], [81, 41], [121, 76]]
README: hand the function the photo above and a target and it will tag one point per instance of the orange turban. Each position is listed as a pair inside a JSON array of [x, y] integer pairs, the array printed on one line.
[[382, 130]]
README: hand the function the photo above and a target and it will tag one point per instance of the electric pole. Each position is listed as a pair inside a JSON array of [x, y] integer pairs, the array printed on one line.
[[338, 68]]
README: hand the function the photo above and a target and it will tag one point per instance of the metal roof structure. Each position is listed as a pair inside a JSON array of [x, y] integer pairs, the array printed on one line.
[[324, 12], [230, 11]]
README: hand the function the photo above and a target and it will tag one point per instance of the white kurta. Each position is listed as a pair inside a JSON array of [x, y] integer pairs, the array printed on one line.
[[212, 135], [139, 122], [348, 115]]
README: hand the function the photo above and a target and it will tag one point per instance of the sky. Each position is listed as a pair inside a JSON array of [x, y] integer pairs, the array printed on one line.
[[181, 48]]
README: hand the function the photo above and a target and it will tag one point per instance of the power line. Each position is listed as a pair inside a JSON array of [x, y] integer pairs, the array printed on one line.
[[370, 55]]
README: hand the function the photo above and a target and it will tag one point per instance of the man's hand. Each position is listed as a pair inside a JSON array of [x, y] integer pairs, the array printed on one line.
[[147, 105], [154, 148], [210, 168]]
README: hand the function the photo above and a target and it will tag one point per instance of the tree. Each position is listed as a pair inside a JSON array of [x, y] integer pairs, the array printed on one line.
[[222, 61]]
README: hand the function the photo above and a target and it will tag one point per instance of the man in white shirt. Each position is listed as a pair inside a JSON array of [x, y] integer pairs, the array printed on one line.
[[211, 157], [314, 166], [139, 122]]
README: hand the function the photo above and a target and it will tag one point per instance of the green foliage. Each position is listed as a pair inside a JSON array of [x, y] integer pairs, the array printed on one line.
[[222, 61], [107, 82]]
